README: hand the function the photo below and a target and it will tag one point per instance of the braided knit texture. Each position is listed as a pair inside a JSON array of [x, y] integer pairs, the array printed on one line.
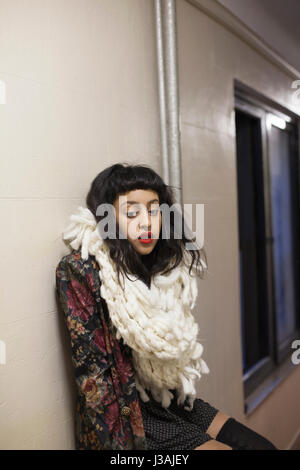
[[156, 322]]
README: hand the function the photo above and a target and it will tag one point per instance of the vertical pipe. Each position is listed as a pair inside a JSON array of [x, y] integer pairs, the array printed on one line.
[[162, 91], [169, 29], [169, 96]]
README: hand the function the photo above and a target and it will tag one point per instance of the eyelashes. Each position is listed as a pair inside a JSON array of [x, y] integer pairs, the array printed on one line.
[[130, 216]]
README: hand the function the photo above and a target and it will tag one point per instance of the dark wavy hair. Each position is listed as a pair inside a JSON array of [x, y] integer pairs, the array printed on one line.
[[168, 252]]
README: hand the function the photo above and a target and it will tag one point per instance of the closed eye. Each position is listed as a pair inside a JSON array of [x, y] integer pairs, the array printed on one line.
[[155, 211], [132, 214], [129, 214]]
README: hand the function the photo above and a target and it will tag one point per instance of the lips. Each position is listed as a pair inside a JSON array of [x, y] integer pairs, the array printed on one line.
[[145, 235]]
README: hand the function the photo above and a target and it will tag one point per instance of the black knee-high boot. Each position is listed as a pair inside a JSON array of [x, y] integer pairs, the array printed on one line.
[[240, 437]]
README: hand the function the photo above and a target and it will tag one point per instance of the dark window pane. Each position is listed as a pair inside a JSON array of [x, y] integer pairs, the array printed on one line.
[[252, 239], [282, 225], [242, 314]]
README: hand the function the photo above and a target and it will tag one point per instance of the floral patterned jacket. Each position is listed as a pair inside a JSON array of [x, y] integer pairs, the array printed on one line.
[[108, 413]]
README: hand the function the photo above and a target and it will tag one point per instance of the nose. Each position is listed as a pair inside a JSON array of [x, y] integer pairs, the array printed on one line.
[[145, 220]]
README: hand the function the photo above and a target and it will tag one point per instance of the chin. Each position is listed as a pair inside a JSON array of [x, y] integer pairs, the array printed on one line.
[[144, 250]]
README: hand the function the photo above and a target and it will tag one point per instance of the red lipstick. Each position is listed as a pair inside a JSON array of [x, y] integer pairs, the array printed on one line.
[[145, 237]]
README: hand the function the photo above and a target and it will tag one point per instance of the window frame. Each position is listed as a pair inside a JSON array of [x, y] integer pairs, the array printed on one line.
[[260, 379]]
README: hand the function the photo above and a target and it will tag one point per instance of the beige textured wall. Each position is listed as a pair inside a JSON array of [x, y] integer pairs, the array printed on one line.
[[210, 57], [81, 94]]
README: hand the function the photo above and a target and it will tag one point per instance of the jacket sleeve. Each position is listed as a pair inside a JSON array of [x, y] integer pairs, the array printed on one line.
[[90, 356]]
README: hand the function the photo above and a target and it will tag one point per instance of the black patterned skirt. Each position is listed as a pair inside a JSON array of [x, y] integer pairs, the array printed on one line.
[[174, 427]]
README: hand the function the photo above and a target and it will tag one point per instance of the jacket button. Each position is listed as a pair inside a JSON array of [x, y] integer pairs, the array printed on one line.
[[125, 411]]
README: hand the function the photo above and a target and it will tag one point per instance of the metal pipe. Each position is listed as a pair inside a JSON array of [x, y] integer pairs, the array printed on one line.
[[162, 92], [169, 96]]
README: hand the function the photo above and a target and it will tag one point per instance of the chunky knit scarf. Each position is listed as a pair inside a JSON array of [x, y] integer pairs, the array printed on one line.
[[155, 322]]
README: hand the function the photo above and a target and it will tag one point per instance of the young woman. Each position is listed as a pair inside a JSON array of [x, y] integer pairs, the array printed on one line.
[[126, 291]]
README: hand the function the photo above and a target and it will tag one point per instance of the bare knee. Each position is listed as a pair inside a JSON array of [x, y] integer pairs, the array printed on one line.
[[212, 444], [217, 423]]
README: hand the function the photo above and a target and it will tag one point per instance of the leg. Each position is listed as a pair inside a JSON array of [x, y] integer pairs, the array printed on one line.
[[240, 437], [217, 423], [213, 445]]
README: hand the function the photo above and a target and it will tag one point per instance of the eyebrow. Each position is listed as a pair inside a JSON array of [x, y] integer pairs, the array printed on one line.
[[136, 202]]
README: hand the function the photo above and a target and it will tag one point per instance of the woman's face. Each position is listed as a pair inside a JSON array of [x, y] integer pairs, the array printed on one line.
[[137, 213]]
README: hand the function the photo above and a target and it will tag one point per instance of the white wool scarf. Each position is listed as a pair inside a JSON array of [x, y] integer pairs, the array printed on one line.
[[156, 322]]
